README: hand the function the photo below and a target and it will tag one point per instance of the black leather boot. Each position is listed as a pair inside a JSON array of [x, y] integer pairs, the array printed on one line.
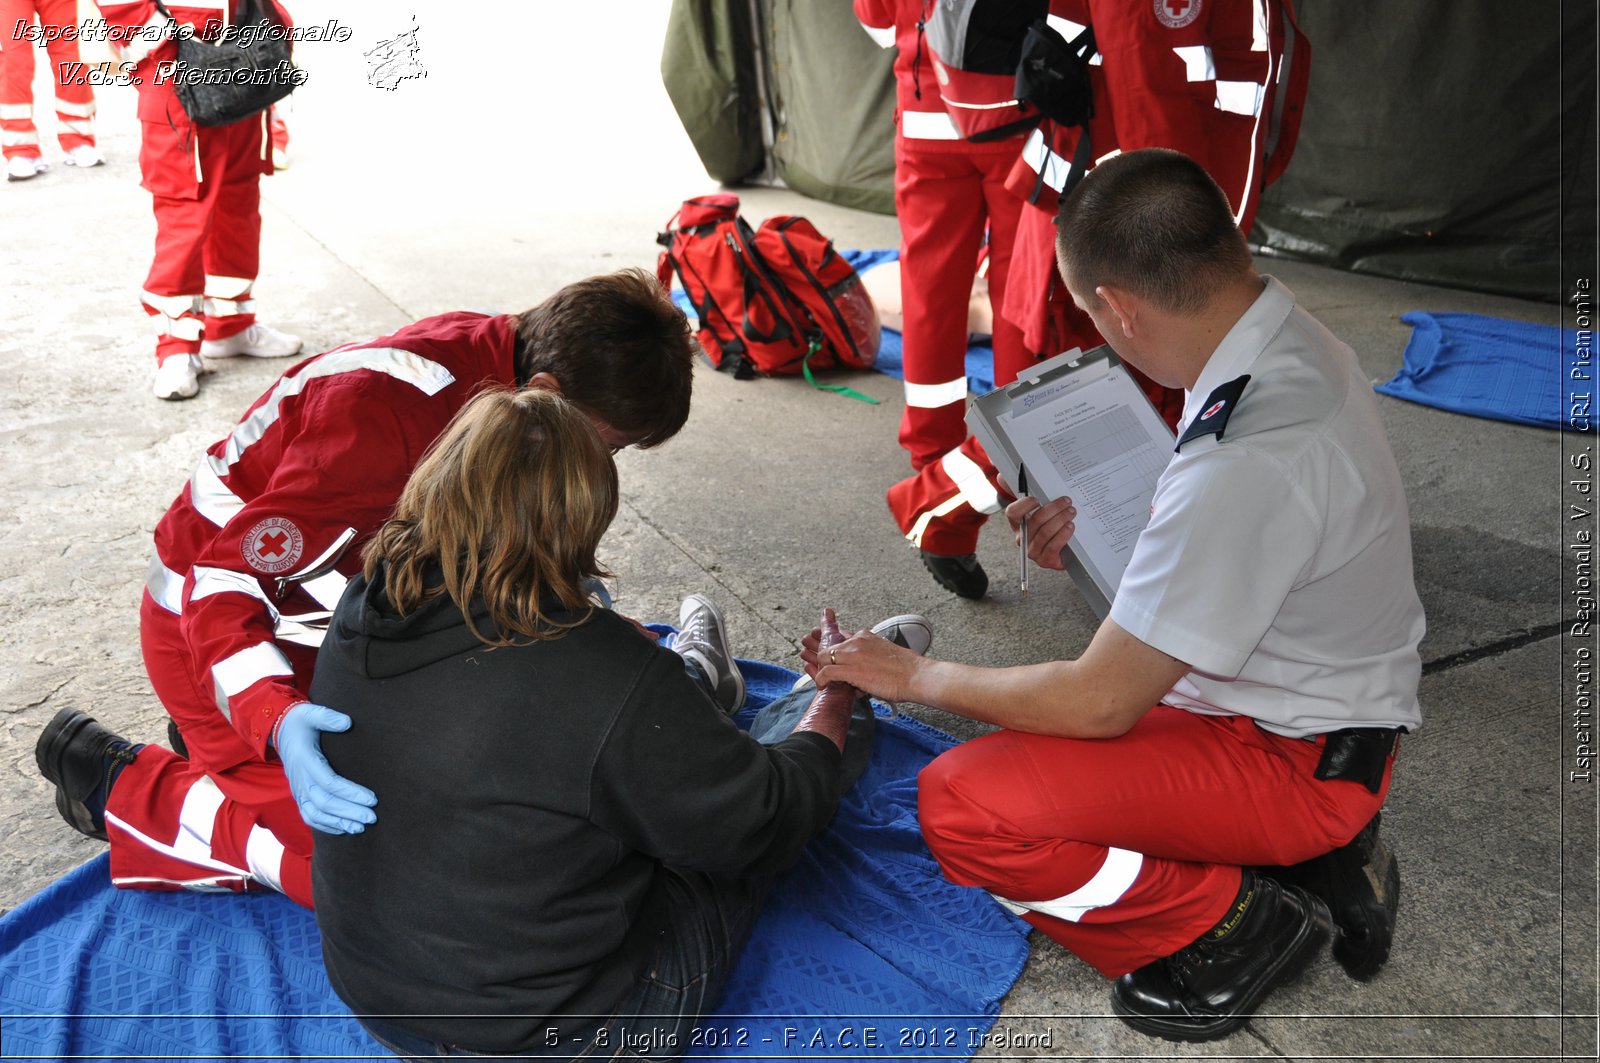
[[82, 759], [1212, 986], [1360, 884], [959, 575]]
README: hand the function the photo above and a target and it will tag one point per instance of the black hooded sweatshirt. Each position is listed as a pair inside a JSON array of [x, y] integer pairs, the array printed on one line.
[[528, 798]]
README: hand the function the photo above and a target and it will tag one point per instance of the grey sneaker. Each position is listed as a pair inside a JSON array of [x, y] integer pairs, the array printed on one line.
[[703, 638], [910, 630]]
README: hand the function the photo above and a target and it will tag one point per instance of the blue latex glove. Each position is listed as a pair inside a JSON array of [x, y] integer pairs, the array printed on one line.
[[327, 800]]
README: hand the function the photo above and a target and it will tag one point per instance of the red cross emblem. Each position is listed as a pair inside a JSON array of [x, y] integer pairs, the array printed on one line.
[[1175, 14], [273, 545], [1216, 408]]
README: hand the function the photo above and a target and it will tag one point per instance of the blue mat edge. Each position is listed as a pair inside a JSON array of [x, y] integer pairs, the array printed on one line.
[[88, 880]]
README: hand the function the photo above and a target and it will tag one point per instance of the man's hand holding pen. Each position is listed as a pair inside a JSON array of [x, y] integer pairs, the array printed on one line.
[[1043, 531]]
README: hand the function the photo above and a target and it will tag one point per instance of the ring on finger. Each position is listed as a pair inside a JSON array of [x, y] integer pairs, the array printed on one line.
[[833, 658]]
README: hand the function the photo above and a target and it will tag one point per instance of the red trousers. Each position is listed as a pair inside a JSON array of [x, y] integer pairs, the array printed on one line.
[[944, 200], [207, 199], [19, 137], [1127, 849], [211, 822]]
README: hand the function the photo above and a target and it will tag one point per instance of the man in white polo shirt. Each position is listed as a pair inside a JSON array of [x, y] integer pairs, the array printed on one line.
[[1182, 804]]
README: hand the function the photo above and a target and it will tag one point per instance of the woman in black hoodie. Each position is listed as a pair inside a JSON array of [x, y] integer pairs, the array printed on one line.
[[573, 840]]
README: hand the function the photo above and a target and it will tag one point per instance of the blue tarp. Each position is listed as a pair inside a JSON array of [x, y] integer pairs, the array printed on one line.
[[864, 933], [1488, 367]]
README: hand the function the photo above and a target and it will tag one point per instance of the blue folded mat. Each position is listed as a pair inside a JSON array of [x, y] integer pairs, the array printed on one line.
[[1486, 367], [980, 356], [863, 933]]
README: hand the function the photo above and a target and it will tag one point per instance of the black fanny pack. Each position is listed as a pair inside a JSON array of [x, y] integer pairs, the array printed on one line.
[[1358, 754]]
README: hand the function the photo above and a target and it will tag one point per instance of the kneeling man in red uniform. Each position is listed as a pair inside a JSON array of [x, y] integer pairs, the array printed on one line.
[[1190, 806]]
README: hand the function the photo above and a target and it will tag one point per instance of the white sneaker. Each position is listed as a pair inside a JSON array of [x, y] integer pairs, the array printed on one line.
[[910, 630], [257, 341], [178, 377], [84, 156], [25, 166]]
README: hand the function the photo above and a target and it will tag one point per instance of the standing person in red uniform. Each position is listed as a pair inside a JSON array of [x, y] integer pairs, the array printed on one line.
[[255, 552], [206, 186], [1222, 81], [19, 138], [946, 190], [1240, 707]]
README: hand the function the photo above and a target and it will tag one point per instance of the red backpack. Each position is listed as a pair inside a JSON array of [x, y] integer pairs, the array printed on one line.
[[777, 300]]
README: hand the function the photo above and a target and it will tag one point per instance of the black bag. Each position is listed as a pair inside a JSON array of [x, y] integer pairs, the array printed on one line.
[[1054, 75], [976, 45], [243, 74]]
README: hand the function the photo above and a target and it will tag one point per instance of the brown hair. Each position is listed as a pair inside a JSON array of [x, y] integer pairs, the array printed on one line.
[[508, 505], [1154, 222], [619, 348]]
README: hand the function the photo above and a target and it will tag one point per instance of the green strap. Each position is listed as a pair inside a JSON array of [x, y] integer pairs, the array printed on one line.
[[805, 367]]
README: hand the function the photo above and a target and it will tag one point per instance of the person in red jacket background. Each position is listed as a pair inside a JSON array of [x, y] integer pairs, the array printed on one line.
[[1222, 81], [205, 181], [256, 550], [19, 138], [946, 191]]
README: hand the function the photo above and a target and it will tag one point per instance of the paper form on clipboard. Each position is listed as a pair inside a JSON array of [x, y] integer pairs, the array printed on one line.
[[1084, 430]]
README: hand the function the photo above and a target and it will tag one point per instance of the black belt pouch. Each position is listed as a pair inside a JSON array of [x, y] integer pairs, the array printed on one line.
[[1358, 754]]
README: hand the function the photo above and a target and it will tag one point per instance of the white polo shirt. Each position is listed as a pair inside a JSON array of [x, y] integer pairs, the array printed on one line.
[[1277, 561]]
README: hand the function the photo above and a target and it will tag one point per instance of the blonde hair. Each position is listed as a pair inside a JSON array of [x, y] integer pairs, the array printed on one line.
[[508, 505]]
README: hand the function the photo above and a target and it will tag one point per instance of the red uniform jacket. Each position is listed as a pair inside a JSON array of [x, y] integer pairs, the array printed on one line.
[[258, 546], [916, 84], [1223, 81]]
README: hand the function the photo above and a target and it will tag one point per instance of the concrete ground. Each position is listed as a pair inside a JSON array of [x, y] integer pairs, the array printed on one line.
[[524, 160]]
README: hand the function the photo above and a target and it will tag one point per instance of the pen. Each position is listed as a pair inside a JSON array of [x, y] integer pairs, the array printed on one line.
[[1022, 486]]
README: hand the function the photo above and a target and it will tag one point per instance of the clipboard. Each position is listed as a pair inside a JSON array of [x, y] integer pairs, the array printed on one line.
[[1083, 428]]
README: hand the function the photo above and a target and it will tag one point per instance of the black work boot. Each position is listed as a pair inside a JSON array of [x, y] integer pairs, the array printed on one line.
[[959, 575], [82, 759], [1360, 884], [1211, 987]]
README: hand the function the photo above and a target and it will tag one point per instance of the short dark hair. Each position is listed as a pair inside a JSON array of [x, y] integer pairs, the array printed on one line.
[[619, 348], [1154, 222]]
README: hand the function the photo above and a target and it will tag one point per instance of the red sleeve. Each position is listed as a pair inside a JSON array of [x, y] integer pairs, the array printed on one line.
[[137, 29], [879, 14], [127, 13], [325, 496]]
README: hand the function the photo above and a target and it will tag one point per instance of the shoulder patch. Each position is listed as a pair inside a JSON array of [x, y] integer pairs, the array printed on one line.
[[1215, 412], [273, 546], [1176, 14]]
